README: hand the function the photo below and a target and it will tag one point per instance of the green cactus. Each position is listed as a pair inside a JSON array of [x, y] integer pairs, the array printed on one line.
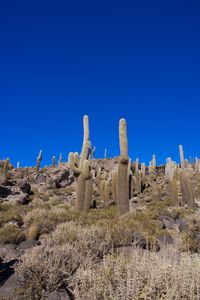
[[108, 190], [187, 188], [182, 160], [123, 171], [105, 153], [6, 168], [60, 159], [26, 172], [102, 185], [53, 161], [39, 159], [114, 184], [86, 148], [93, 152], [143, 169], [172, 178], [82, 171]]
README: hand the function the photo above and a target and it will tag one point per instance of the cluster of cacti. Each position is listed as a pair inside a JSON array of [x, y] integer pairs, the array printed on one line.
[[152, 165], [126, 180], [105, 187], [39, 159], [181, 174], [82, 171]]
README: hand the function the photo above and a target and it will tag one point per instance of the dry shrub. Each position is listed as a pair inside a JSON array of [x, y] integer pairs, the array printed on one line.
[[47, 268], [92, 241], [142, 275], [10, 212], [10, 233]]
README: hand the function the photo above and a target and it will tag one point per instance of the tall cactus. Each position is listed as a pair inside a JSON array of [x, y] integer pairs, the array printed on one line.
[[105, 153], [143, 169], [6, 168], [82, 171], [86, 148], [171, 173], [60, 159], [102, 185], [93, 152], [39, 159], [187, 189], [114, 184], [53, 161], [182, 160], [123, 171], [137, 165]]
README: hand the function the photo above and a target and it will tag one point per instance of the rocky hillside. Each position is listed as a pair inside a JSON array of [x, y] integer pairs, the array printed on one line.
[[46, 243], [100, 229]]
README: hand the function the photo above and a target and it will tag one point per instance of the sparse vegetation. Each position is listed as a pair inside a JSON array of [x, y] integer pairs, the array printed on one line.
[[103, 229], [10, 233]]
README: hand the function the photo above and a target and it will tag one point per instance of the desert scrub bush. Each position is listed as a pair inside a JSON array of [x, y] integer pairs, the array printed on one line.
[[45, 220], [47, 268], [38, 219], [190, 236], [9, 212], [91, 241], [97, 215], [10, 234], [142, 275]]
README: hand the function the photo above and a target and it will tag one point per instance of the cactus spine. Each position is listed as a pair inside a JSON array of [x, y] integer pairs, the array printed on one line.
[[123, 171]]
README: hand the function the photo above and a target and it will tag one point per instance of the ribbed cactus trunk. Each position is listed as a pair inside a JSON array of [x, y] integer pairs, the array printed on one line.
[[123, 170], [182, 160], [107, 191], [60, 159], [114, 185], [6, 168], [82, 171], [93, 152], [39, 159], [53, 161], [187, 189], [85, 152]]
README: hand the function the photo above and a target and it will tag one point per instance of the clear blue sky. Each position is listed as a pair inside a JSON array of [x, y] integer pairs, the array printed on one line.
[[60, 60]]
